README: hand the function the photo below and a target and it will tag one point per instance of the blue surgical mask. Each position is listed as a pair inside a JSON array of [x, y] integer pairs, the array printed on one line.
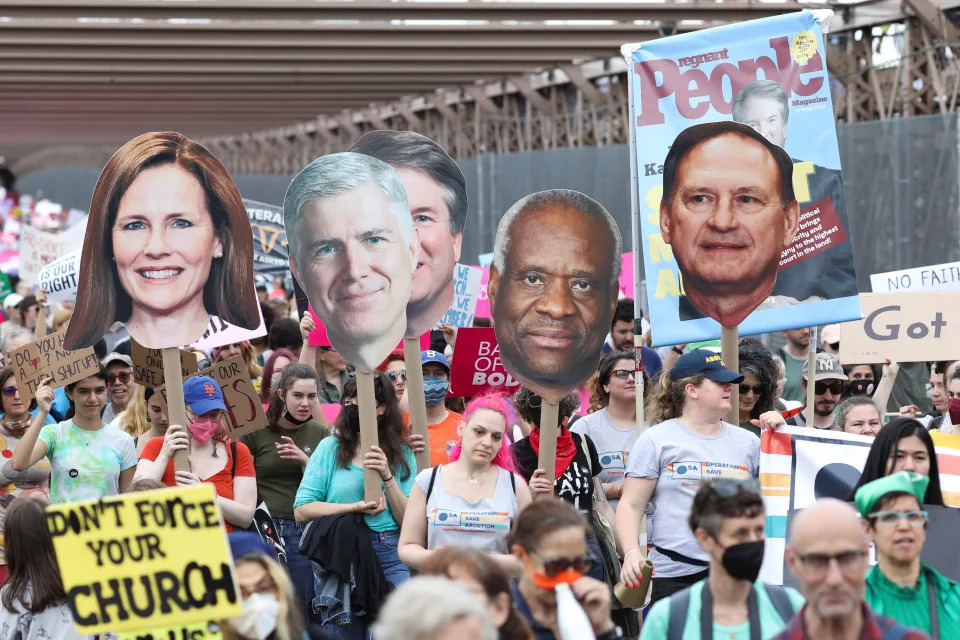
[[435, 390]]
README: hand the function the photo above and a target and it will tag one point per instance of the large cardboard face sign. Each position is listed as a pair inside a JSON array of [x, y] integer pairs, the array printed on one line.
[[353, 249], [728, 212], [741, 208], [168, 246], [437, 192], [553, 289]]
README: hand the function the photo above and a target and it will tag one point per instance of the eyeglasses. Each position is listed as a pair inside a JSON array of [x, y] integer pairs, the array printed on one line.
[[892, 518], [554, 567], [835, 346], [729, 487], [622, 374], [9, 391], [848, 561], [836, 388], [123, 377], [746, 388], [393, 375]]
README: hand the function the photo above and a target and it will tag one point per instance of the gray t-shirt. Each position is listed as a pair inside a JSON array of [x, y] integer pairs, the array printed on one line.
[[481, 525], [613, 445], [679, 459]]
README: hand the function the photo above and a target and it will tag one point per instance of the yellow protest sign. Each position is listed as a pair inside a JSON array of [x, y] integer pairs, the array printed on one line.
[[144, 561], [199, 631]]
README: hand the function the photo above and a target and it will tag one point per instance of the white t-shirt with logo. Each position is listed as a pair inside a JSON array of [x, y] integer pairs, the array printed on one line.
[[613, 445]]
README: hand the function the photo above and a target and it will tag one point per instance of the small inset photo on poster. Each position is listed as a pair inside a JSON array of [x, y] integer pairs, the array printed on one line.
[[168, 246]]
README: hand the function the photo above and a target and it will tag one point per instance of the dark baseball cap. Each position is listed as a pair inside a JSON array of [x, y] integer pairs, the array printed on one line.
[[706, 362]]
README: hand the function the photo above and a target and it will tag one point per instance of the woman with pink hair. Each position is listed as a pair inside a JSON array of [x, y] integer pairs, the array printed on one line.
[[471, 501]]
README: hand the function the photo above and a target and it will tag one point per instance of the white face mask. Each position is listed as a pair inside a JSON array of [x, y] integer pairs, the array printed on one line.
[[259, 617]]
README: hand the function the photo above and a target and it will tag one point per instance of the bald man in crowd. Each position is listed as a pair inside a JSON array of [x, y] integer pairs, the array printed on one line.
[[827, 552]]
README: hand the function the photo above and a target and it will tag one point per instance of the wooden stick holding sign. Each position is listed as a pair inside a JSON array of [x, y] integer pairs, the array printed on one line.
[[367, 401], [808, 412], [176, 410], [730, 354], [416, 399], [638, 375], [549, 417]]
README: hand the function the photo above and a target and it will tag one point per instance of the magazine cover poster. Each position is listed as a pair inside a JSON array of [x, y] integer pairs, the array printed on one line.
[[743, 220]]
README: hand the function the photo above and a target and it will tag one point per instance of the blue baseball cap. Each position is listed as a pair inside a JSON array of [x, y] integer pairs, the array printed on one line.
[[244, 543], [202, 394], [706, 362], [434, 356]]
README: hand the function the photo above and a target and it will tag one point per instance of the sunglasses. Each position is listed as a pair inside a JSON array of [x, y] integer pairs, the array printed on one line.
[[554, 567], [123, 377], [835, 346], [622, 374], [393, 375], [9, 391], [746, 388], [836, 388], [892, 518], [729, 487]]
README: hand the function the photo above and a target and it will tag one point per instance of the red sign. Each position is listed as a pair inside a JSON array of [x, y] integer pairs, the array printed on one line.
[[477, 366]]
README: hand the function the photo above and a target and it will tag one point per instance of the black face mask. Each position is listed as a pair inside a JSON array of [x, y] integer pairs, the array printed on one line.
[[742, 561], [861, 388], [352, 414]]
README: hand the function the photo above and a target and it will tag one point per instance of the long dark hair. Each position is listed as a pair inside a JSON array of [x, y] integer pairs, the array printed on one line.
[[228, 293], [100, 374], [488, 574], [265, 390], [886, 445], [34, 580], [758, 362], [293, 373], [5, 374], [389, 426]]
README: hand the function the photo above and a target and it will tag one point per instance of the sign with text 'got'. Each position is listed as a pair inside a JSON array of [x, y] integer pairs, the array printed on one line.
[[145, 560], [477, 366], [46, 358], [905, 327], [243, 402]]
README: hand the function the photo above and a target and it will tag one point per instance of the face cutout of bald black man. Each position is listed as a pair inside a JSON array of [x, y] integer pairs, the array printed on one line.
[[728, 212], [553, 289]]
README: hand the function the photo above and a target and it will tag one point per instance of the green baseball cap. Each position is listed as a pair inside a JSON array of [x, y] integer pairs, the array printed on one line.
[[900, 482]]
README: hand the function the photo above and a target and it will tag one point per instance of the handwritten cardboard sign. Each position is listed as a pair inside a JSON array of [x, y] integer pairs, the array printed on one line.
[[466, 282], [148, 364], [937, 277], [145, 560], [905, 327], [477, 366], [46, 358], [40, 248], [243, 402]]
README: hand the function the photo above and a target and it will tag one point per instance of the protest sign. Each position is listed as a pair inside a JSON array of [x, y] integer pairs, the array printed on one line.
[[59, 278], [477, 366], [905, 327], [209, 630], [705, 101], [39, 248], [269, 238], [938, 277], [151, 271], [483, 305], [148, 365], [466, 282], [219, 333], [145, 560], [243, 402], [46, 358], [798, 466]]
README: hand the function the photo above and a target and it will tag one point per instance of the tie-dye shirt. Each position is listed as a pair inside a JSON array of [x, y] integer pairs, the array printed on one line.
[[86, 464]]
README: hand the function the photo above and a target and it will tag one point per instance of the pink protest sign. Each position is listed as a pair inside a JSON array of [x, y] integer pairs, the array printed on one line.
[[626, 275], [483, 305], [477, 365], [330, 411]]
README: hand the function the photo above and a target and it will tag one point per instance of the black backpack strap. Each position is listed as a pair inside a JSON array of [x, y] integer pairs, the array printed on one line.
[[679, 603], [433, 478], [233, 455], [513, 482], [781, 601]]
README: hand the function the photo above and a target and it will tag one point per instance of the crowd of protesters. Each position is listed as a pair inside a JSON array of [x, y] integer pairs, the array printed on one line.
[[482, 544]]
